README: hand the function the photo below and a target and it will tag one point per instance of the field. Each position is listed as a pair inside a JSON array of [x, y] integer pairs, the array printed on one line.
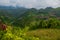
[[45, 34]]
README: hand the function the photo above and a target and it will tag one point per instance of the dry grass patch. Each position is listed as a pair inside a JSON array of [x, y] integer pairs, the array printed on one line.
[[45, 34]]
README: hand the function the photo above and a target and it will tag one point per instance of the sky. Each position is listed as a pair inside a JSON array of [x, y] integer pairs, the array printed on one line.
[[31, 3]]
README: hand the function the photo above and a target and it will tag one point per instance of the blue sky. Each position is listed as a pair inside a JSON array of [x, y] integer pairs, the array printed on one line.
[[31, 3]]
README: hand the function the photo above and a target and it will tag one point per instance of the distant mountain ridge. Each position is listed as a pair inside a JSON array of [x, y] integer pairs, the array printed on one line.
[[6, 7], [11, 7], [20, 15]]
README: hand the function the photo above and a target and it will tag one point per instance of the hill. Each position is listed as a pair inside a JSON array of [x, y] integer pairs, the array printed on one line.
[[20, 16]]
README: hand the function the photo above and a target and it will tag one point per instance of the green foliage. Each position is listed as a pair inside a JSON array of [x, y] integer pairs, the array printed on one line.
[[50, 23], [15, 33], [19, 21]]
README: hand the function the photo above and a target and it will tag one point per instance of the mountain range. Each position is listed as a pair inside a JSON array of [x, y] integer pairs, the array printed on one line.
[[17, 14]]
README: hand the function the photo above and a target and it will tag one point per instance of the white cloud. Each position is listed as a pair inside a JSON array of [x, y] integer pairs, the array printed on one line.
[[32, 3], [4, 2], [53, 3]]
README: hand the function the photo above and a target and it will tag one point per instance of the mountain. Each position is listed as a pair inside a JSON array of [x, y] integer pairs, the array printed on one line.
[[11, 13], [7, 7], [15, 11], [21, 16]]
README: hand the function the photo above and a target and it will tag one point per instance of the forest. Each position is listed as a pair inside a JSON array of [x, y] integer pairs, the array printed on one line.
[[30, 24]]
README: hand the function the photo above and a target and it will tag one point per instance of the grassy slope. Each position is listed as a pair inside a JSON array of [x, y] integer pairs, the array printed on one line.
[[46, 34]]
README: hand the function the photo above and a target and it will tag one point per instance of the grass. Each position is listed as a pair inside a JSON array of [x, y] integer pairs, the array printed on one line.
[[45, 34], [15, 33]]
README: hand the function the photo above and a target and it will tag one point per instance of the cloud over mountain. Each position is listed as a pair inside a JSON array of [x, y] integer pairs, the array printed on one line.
[[31, 3]]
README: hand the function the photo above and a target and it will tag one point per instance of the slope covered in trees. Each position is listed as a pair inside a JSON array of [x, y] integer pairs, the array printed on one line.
[[30, 24], [20, 16]]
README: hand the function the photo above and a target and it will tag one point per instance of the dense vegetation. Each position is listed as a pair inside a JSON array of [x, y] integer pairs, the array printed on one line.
[[20, 21], [16, 33]]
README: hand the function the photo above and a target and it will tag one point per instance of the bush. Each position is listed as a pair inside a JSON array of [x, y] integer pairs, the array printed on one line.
[[15, 33]]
